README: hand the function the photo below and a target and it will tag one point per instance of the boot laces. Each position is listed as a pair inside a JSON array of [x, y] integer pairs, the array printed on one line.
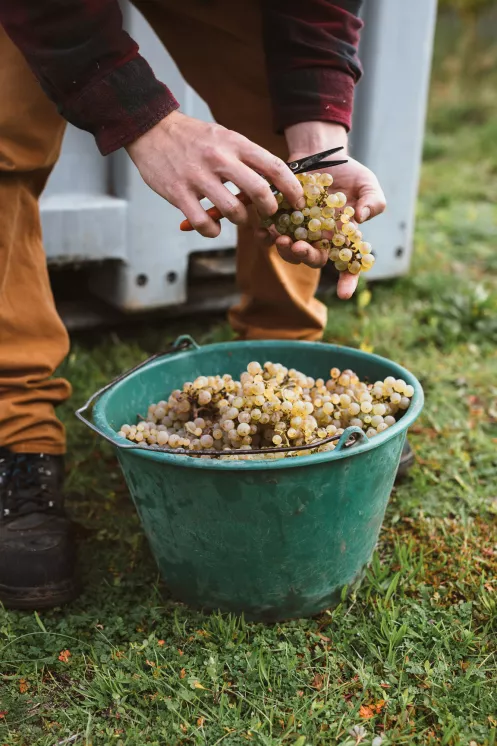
[[28, 486]]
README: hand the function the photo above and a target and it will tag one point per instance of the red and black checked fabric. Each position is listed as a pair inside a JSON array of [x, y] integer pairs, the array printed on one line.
[[91, 68]]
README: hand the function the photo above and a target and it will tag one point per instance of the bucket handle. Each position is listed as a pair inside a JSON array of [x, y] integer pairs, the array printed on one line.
[[181, 344], [350, 436]]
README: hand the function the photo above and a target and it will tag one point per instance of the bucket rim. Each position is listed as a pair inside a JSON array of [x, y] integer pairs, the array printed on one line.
[[216, 464]]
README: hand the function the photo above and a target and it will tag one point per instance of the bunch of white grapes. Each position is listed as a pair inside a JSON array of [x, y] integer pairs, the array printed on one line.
[[271, 406], [329, 213]]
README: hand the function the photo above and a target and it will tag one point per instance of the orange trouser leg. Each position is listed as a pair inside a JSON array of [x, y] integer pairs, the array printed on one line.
[[218, 49], [33, 340]]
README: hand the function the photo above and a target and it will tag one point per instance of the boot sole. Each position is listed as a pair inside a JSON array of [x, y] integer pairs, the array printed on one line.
[[44, 597]]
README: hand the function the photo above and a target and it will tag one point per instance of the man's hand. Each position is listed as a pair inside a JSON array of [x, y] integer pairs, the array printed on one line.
[[360, 185], [184, 159]]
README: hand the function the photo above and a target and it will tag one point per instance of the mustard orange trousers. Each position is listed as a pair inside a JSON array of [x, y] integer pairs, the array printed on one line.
[[218, 49]]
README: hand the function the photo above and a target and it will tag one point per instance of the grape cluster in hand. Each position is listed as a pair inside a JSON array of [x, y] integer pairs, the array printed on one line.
[[326, 221], [270, 406]]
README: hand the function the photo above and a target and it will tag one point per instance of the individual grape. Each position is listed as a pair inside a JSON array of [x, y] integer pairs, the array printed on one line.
[[349, 211], [379, 409], [314, 225], [315, 212], [332, 201], [314, 235], [300, 234], [312, 190], [328, 224], [204, 398], [345, 255], [354, 267], [297, 218], [325, 180]]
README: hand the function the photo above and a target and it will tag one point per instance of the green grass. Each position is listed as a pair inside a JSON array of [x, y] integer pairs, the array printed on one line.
[[412, 656]]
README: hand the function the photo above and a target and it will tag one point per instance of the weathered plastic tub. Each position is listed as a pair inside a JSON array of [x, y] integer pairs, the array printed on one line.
[[273, 539]]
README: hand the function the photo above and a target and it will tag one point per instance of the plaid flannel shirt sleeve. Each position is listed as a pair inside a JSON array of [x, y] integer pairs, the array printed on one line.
[[312, 61], [89, 66]]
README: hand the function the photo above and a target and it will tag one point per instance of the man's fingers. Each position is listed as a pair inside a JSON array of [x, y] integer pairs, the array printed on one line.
[[371, 202], [199, 219], [226, 202], [284, 246], [250, 182], [347, 284], [301, 252], [276, 171], [263, 238]]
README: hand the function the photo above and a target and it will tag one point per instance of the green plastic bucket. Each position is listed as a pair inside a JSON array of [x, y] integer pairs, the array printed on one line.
[[273, 539]]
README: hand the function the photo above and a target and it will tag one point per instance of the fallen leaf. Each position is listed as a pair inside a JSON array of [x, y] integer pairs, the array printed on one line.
[[183, 728], [182, 673], [180, 652], [64, 656], [364, 298], [300, 741], [200, 722], [365, 347], [150, 663], [3, 713], [160, 642], [23, 686], [317, 682], [366, 712]]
